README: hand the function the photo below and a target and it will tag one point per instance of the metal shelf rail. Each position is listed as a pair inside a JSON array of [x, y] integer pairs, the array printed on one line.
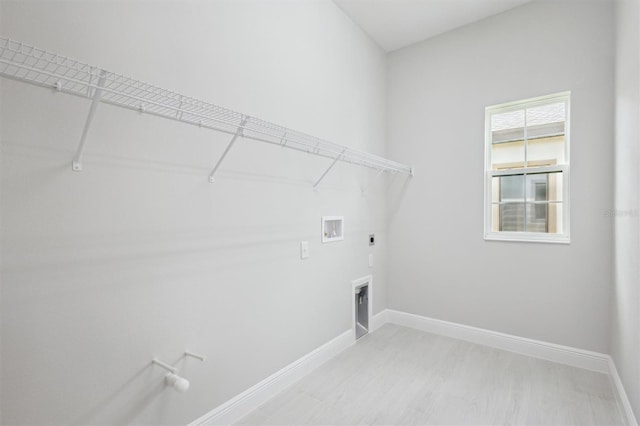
[[26, 63]]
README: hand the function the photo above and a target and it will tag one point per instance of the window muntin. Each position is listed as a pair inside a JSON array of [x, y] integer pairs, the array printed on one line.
[[527, 170]]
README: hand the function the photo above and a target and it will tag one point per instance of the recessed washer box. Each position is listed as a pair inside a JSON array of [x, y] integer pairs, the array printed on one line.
[[332, 228]]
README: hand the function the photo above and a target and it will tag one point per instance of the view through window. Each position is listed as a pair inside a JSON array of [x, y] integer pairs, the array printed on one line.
[[527, 170]]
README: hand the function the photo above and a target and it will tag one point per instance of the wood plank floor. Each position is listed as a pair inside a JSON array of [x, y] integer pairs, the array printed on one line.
[[398, 376]]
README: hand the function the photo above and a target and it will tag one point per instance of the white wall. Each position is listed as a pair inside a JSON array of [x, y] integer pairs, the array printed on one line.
[[440, 265], [625, 331], [138, 255]]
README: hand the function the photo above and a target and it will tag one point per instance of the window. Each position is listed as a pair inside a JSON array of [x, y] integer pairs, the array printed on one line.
[[527, 170]]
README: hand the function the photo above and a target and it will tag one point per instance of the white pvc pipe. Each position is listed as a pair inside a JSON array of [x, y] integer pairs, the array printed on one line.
[[167, 367], [202, 358]]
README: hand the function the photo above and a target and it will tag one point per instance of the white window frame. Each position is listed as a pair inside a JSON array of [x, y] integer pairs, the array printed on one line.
[[564, 168]]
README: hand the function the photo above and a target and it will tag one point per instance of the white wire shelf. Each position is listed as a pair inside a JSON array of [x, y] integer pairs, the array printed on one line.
[[26, 63]]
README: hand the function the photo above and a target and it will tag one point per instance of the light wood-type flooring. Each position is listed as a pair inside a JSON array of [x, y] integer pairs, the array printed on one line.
[[398, 376]]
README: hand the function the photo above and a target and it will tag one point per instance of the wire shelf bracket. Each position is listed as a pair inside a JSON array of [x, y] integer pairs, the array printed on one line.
[[19, 61], [226, 151], [315, 185], [76, 164]]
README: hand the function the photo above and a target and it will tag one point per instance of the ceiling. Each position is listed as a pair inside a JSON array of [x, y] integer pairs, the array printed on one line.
[[394, 24]]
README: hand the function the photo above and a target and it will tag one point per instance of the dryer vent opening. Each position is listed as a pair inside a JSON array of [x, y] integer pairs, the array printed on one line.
[[361, 301]]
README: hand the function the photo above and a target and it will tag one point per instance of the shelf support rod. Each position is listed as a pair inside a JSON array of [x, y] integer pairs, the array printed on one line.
[[315, 185], [164, 365], [226, 151], [202, 358], [76, 165]]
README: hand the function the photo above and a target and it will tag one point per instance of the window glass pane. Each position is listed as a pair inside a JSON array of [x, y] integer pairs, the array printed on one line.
[[495, 217], [507, 155], [511, 188], [527, 203], [507, 140], [512, 217], [546, 119], [546, 135], [537, 217], [495, 189], [512, 120], [546, 151], [555, 218], [544, 218], [544, 187]]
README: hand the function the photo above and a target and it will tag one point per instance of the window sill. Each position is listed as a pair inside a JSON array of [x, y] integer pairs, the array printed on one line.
[[522, 237]]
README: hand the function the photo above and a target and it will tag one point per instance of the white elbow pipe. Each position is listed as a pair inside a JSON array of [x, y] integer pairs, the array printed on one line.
[[180, 384]]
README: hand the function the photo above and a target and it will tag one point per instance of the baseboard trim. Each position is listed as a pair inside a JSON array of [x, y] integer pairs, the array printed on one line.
[[593, 361], [622, 399], [378, 320], [244, 403], [580, 358]]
